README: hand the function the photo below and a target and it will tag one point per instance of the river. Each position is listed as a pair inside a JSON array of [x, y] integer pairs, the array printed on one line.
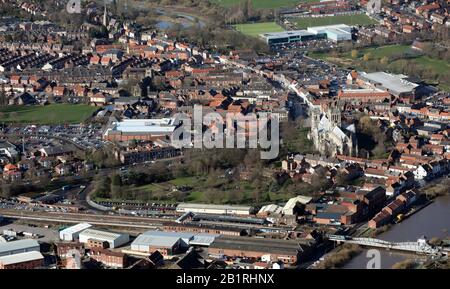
[[432, 221]]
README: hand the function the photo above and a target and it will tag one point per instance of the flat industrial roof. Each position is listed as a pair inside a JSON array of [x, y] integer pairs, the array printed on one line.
[[156, 240], [165, 125], [168, 239], [21, 257], [287, 34], [169, 234], [227, 218], [203, 239], [390, 81], [18, 245], [76, 228], [100, 235], [337, 31], [289, 247], [340, 27], [212, 207]]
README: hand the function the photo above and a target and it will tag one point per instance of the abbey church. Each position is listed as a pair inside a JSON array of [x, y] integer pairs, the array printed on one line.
[[329, 134]]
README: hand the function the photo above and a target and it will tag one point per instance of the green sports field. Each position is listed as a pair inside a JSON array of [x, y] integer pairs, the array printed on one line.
[[259, 4], [358, 19], [49, 114], [255, 29]]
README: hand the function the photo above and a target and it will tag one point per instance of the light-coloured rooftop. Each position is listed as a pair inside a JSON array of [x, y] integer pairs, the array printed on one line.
[[212, 207], [337, 27], [168, 239], [283, 34], [272, 208], [17, 245], [290, 205], [392, 82], [76, 228], [156, 240], [145, 125], [203, 239], [100, 235], [21, 257]]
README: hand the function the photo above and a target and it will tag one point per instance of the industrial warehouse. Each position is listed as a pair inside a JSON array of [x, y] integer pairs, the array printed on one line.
[[26, 260], [72, 233], [214, 209], [170, 243], [397, 85], [19, 246], [287, 37], [106, 239], [140, 129], [336, 33], [287, 251]]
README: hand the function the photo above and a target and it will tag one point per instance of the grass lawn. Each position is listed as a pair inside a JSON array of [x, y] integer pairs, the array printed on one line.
[[380, 52], [359, 19], [195, 197], [299, 142], [149, 188], [441, 67], [188, 181], [438, 65], [166, 187], [49, 114], [260, 4], [256, 29], [375, 53]]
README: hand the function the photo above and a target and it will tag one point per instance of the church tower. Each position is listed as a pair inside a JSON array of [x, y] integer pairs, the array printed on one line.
[[315, 120], [334, 114], [105, 17]]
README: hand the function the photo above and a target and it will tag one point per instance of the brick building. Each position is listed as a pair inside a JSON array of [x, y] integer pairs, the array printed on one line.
[[26, 260], [108, 258]]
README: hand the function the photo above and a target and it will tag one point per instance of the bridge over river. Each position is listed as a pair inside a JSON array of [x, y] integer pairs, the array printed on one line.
[[421, 246]]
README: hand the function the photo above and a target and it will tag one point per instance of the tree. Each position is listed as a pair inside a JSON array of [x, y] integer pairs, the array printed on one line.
[[101, 32], [132, 144], [102, 187], [116, 180], [116, 187], [367, 56], [6, 190], [3, 98]]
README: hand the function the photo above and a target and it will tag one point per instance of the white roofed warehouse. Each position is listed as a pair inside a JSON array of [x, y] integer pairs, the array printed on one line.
[[290, 207], [141, 129], [396, 85], [287, 37], [20, 246], [114, 240], [336, 33], [26, 260], [215, 209], [166, 243], [170, 243], [71, 234]]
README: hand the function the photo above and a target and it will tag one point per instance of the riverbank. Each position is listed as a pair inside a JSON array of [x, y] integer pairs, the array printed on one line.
[[339, 257], [416, 209], [431, 220]]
